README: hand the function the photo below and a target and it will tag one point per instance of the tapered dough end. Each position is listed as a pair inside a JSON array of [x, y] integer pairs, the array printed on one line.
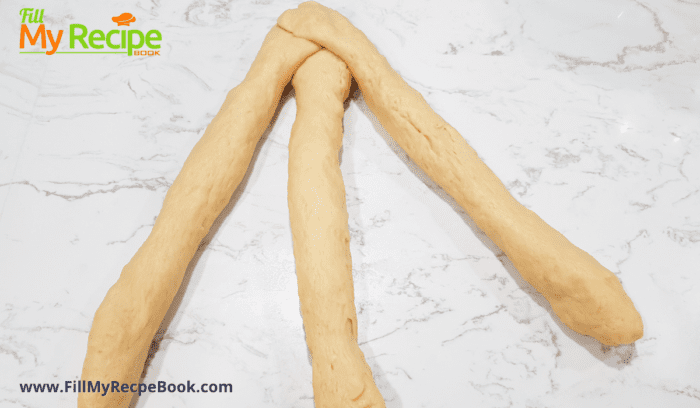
[[590, 300], [618, 320], [622, 326], [341, 385], [624, 331]]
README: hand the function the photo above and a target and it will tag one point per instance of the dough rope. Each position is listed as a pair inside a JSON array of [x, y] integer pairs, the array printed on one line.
[[134, 307], [586, 296], [319, 221]]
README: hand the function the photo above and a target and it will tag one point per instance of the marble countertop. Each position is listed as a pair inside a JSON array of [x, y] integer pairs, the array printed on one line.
[[588, 111]]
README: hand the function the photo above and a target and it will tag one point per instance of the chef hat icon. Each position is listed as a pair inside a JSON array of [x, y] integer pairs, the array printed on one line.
[[124, 19]]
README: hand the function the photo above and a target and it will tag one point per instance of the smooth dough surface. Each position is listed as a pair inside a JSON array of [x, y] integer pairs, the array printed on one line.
[[586, 296], [134, 307], [319, 222]]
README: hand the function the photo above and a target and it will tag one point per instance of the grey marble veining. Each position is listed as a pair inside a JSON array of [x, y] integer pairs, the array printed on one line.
[[588, 111]]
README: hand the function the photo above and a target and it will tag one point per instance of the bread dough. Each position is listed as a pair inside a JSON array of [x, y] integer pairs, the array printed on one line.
[[133, 309], [586, 296], [319, 221]]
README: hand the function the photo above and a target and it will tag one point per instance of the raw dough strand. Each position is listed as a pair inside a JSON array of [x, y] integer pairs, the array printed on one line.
[[319, 221], [134, 307], [586, 296]]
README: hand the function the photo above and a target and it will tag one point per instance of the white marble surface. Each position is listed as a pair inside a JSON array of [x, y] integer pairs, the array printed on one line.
[[587, 110]]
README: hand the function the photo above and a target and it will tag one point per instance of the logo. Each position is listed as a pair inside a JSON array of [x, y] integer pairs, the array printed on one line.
[[124, 19], [85, 41]]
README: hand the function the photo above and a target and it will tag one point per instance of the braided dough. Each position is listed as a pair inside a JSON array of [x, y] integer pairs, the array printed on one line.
[[133, 309], [586, 296], [319, 221]]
